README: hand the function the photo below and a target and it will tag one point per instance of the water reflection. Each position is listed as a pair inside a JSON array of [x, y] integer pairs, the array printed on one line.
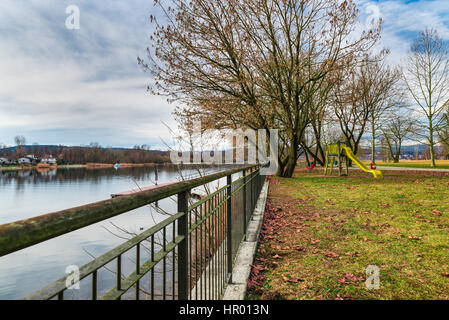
[[72, 175], [25, 194]]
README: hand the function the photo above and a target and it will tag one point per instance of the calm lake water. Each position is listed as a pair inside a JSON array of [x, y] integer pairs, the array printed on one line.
[[25, 194]]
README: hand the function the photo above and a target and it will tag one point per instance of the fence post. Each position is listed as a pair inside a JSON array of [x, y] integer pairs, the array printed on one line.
[[183, 204], [253, 189], [251, 192], [258, 184], [244, 204], [229, 227]]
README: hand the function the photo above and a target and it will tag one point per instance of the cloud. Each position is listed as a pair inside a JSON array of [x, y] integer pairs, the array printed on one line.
[[403, 20], [77, 86]]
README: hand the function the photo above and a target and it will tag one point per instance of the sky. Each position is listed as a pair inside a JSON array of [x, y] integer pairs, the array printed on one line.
[[76, 86]]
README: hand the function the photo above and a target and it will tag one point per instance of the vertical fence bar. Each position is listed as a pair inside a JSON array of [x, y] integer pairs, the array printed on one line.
[[221, 242], [183, 204], [137, 270], [216, 256], [251, 191], [209, 252], [119, 272], [189, 250], [164, 279], [94, 285], [229, 228], [244, 204], [173, 267], [201, 253], [197, 273], [152, 269]]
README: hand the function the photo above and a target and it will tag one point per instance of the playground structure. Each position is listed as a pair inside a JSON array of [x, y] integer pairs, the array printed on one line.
[[335, 154]]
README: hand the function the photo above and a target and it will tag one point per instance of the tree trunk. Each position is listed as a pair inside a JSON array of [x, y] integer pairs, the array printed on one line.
[[431, 142], [307, 158], [281, 167], [291, 163], [398, 152], [315, 157], [432, 157], [396, 156]]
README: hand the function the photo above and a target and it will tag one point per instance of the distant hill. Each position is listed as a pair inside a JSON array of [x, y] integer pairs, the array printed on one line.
[[407, 152]]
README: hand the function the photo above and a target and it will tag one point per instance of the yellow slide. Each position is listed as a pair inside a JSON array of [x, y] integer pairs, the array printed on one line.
[[376, 173]]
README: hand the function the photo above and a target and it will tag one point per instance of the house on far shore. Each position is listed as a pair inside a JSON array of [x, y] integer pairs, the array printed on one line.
[[4, 161], [32, 157], [29, 159], [24, 160], [48, 160]]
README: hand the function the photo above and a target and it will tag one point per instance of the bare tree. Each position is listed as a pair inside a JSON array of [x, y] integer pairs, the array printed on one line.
[[363, 96], [427, 80], [443, 135], [20, 141], [398, 128], [379, 93], [320, 123], [351, 113], [254, 64]]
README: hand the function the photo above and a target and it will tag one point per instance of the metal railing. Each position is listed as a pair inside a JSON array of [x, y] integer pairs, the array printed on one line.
[[186, 256]]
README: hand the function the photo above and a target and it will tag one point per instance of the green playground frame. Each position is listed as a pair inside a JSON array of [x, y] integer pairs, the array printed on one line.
[[335, 152]]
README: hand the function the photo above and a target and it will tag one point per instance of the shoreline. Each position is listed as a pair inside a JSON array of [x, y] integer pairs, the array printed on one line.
[[73, 166], [93, 166]]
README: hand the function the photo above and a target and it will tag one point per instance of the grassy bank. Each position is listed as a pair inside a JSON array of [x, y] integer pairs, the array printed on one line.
[[320, 234], [88, 165], [420, 164]]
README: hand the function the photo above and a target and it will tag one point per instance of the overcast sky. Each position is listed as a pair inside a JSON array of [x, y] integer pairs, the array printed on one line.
[[73, 87]]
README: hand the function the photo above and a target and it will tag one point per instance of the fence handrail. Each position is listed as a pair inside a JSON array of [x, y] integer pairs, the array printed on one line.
[[21, 234], [52, 289]]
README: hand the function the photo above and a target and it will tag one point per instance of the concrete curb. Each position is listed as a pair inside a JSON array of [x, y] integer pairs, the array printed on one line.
[[245, 255]]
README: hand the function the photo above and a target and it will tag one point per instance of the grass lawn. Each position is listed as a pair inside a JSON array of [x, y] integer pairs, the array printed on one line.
[[320, 233], [441, 164]]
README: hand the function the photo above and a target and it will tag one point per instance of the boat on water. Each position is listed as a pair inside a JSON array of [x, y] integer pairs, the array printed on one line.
[[117, 166]]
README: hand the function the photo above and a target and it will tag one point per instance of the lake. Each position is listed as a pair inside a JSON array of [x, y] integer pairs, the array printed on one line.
[[25, 194]]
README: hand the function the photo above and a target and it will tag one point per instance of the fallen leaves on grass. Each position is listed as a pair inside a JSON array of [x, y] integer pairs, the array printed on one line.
[[295, 247], [331, 254], [257, 278], [291, 279], [349, 278], [355, 254]]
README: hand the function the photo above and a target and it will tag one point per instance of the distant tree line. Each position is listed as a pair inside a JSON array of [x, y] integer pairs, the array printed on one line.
[[93, 153]]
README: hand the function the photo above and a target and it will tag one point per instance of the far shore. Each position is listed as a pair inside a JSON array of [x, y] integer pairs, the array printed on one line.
[[93, 166], [87, 165]]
